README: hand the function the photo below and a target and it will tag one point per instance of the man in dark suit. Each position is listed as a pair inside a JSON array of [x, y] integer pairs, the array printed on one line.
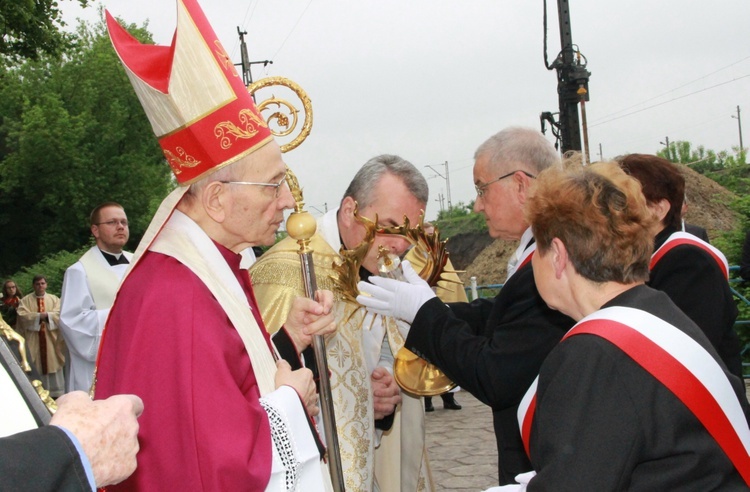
[[86, 445], [492, 348]]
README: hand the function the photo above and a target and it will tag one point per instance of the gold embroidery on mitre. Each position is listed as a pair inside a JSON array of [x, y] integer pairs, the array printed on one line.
[[223, 57], [184, 160], [227, 129]]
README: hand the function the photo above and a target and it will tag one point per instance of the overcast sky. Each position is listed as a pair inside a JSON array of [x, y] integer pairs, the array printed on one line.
[[430, 80]]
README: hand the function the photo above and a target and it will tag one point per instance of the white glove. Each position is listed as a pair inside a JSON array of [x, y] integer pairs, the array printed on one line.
[[393, 298]]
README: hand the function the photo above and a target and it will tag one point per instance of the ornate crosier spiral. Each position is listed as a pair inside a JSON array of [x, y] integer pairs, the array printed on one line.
[[285, 118]]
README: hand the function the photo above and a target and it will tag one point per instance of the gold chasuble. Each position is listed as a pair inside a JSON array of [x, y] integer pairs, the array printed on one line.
[[398, 462]]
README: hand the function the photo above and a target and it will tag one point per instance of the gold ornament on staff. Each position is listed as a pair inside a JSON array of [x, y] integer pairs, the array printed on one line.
[[301, 227], [286, 115], [412, 373], [13, 336]]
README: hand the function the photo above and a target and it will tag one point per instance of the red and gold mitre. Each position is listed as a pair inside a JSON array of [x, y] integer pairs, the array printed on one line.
[[197, 104]]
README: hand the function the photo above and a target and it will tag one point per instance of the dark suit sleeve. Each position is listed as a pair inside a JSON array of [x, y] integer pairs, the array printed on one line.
[[43, 459], [498, 360], [475, 314]]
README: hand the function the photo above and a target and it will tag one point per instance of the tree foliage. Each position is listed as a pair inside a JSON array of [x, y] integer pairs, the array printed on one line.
[[459, 219], [31, 29], [73, 135]]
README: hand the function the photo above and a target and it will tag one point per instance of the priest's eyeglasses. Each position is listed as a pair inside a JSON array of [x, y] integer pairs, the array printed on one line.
[[114, 222], [275, 186], [481, 188]]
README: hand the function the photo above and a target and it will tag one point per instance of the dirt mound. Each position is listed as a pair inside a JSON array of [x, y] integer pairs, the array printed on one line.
[[464, 248], [485, 259], [708, 203]]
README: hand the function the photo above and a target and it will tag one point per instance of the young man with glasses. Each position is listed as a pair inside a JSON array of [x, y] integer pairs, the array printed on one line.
[[492, 348], [89, 289]]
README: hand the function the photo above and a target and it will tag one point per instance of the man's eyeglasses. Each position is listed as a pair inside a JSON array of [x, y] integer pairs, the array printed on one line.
[[114, 222], [276, 186], [481, 188]]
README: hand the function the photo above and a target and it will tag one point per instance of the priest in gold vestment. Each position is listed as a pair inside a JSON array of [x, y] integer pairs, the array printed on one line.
[[389, 455], [39, 323]]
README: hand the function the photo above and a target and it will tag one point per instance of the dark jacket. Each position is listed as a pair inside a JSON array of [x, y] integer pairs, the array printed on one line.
[[43, 459], [493, 349], [694, 281]]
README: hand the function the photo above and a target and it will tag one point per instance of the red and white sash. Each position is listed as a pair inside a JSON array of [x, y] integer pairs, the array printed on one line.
[[679, 363], [680, 238]]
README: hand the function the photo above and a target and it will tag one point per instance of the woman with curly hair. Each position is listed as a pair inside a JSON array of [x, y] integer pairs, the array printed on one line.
[[634, 397]]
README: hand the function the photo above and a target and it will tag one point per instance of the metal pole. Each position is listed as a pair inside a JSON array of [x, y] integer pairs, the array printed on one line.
[[584, 125], [666, 144], [473, 284], [570, 132], [739, 127], [448, 182], [301, 226]]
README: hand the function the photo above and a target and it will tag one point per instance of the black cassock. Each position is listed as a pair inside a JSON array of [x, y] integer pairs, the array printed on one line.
[[603, 423], [493, 348]]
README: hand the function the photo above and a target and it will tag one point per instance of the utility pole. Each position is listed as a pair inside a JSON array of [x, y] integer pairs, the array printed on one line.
[[439, 199], [447, 179], [247, 75], [601, 156], [669, 151], [572, 83], [739, 125]]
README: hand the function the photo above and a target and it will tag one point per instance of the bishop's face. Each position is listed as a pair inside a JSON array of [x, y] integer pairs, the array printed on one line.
[[255, 213]]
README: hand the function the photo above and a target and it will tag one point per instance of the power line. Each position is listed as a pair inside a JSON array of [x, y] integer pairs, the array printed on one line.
[[293, 28], [669, 101], [245, 21], [672, 90]]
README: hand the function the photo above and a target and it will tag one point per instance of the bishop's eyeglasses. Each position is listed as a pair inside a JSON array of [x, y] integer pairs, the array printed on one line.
[[276, 186]]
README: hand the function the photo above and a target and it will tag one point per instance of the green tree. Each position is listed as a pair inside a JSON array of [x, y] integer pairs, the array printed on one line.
[[31, 29], [458, 219], [74, 135]]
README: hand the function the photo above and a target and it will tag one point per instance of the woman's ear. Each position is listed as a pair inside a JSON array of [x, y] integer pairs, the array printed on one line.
[[661, 208], [559, 257]]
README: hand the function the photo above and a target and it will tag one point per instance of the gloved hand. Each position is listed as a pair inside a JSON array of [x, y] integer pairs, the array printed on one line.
[[393, 298]]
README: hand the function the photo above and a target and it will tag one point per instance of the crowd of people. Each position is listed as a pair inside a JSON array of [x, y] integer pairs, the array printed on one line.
[[609, 359]]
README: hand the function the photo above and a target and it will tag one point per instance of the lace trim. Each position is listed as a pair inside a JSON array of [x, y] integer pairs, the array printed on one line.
[[282, 440]]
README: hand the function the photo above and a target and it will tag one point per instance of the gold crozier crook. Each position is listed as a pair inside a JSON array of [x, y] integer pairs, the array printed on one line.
[[285, 118], [301, 226]]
